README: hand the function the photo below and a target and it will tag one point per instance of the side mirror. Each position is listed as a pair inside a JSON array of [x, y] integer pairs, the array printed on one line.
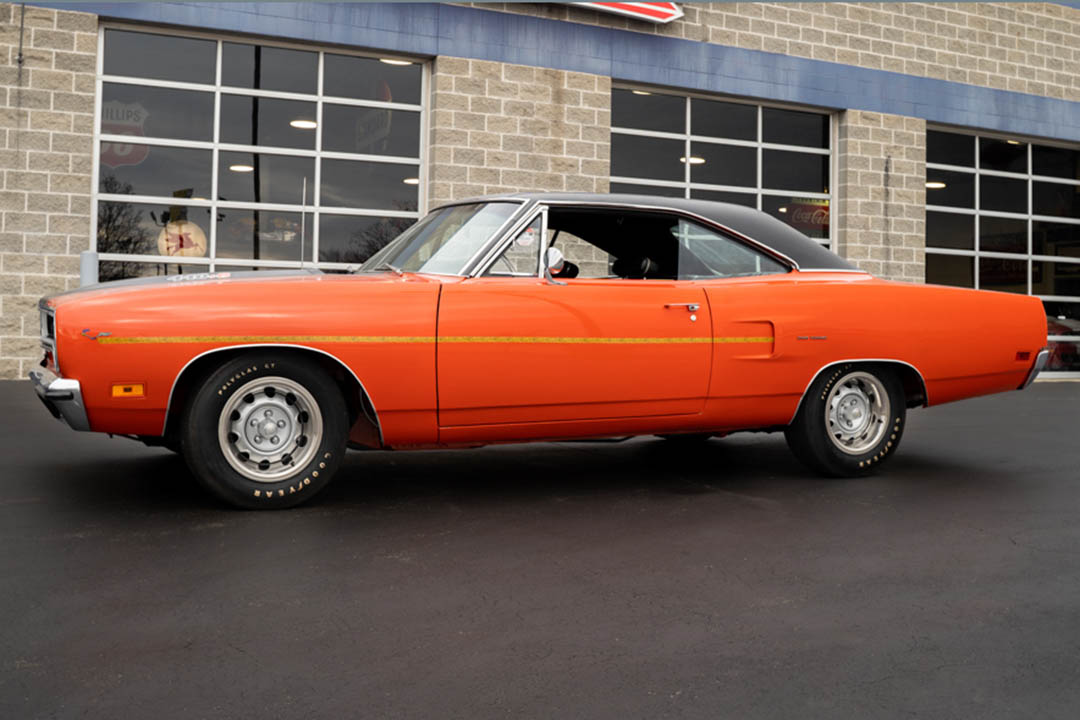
[[553, 263]]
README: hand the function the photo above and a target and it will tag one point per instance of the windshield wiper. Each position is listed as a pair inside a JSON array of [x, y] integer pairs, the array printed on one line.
[[387, 266]]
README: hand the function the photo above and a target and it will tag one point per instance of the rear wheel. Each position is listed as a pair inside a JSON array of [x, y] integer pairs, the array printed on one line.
[[850, 421], [265, 432]]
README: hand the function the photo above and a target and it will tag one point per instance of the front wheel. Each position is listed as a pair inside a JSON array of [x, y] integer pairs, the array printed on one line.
[[265, 432], [850, 421]]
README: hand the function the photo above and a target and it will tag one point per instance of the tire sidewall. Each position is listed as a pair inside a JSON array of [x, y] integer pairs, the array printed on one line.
[[207, 461]]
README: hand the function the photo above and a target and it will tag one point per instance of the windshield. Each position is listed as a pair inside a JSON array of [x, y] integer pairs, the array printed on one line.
[[444, 241]]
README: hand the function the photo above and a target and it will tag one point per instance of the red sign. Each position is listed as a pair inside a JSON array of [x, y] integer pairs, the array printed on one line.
[[119, 118], [654, 12], [807, 215]]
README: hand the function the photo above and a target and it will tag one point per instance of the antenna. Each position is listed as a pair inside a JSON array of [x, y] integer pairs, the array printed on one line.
[[303, 219]]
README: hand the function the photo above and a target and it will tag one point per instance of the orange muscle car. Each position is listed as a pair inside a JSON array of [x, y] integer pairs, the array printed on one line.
[[528, 317]]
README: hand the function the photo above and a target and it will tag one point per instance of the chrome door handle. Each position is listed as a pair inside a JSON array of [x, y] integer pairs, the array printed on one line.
[[690, 307]]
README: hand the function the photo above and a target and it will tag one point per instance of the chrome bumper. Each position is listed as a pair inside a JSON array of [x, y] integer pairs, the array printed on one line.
[[1040, 364], [62, 397]]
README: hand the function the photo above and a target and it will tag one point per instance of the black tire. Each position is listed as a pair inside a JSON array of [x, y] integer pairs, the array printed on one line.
[[811, 435], [205, 454]]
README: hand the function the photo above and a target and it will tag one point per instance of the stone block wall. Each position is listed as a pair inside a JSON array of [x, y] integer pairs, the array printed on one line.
[[46, 130]]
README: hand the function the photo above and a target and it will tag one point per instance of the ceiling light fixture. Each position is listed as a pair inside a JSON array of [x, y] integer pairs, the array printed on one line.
[[411, 181], [304, 124], [935, 185], [393, 61], [1013, 142], [783, 209], [641, 92], [242, 168], [694, 160]]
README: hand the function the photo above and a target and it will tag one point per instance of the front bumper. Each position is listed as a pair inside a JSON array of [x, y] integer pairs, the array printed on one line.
[[62, 397], [1040, 364]]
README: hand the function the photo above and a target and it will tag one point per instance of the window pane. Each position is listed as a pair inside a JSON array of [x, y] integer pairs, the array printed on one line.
[[371, 131], [1004, 275], [1062, 318], [647, 190], [261, 234], [161, 57], [704, 253], [1049, 238], [254, 177], [521, 256], [157, 112], [783, 170], [348, 183], [371, 79], [949, 230], [117, 270], [1055, 278], [723, 164], [648, 111], [735, 198], [269, 68], [791, 127], [140, 229], [266, 121], [1064, 356], [723, 120], [1055, 199], [950, 270], [133, 169], [1057, 162], [953, 189], [1009, 156], [808, 216], [643, 157], [1002, 194], [353, 239], [1002, 235], [950, 148]]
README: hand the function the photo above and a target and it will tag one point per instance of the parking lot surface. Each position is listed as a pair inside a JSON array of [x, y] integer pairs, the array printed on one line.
[[593, 580]]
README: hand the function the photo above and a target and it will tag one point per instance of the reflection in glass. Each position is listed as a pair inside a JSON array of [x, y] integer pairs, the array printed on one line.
[[807, 215], [645, 157], [271, 178], [952, 189], [1002, 194], [1056, 162], [723, 164], [950, 148], [161, 57], [354, 239], [262, 235], [1050, 238], [1003, 275], [713, 118], [950, 230], [265, 121], [791, 127], [269, 68], [371, 79], [133, 169], [349, 183], [784, 170], [1064, 356], [371, 131], [1055, 278], [704, 253], [1055, 199], [1002, 155], [647, 190], [157, 112], [109, 270], [735, 198], [152, 229], [1063, 318], [646, 110], [1002, 234], [952, 270]]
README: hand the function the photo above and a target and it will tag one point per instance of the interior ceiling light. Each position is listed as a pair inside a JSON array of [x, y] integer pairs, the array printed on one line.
[[411, 181], [1013, 142], [935, 185], [304, 124], [392, 61], [641, 92], [783, 209], [694, 160], [242, 168]]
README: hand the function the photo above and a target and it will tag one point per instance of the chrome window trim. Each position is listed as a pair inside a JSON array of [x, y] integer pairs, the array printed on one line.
[[826, 366], [471, 262], [515, 224]]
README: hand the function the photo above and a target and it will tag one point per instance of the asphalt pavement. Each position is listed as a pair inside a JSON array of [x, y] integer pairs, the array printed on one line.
[[557, 580]]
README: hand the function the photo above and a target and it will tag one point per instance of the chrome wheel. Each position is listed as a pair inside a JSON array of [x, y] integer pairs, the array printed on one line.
[[269, 429], [857, 413]]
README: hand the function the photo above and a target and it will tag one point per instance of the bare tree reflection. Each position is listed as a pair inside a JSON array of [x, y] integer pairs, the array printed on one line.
[[366, 241], [120, 229]]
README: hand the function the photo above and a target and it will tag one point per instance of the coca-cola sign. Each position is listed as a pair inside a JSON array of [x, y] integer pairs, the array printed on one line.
[[807, 215]]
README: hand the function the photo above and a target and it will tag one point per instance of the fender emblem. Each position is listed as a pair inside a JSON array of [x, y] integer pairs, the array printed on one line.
[[86, 334]]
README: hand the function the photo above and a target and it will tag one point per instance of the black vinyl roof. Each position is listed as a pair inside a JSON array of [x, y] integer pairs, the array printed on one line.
[[754, 224]]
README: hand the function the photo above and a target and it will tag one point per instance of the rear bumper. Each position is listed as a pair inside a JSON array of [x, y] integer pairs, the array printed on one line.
[[62, 397], [1040, 364]]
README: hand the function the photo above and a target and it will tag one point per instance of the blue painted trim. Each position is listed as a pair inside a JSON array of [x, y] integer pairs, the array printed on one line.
[[431, 29]]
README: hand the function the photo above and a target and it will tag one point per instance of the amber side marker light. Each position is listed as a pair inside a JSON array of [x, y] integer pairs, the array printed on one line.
[[1023, 355], [129, 390]]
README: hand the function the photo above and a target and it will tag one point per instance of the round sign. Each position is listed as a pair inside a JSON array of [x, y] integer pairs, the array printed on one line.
[[182, 237]]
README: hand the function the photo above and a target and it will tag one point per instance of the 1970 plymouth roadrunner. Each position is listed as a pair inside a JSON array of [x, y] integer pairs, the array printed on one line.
[[528, 317]]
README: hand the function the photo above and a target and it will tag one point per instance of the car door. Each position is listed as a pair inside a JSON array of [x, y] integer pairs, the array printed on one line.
[[522, 348]]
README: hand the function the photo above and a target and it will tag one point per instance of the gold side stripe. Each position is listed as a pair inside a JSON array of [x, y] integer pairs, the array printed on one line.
[[375, 339]]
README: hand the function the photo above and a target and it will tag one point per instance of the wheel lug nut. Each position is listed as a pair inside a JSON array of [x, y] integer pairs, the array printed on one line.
[[281, 423], [275, 440], [268, 413], [258, 438], [254, 423]]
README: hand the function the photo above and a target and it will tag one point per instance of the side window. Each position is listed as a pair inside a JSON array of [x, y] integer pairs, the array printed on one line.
[[522, 256], [585, 259], [705, 253]]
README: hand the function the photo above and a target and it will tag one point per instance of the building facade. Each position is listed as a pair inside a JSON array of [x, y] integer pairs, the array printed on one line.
[[923, 141]]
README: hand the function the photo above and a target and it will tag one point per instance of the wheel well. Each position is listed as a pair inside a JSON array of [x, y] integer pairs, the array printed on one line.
[[911, 379], [361, 410]]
